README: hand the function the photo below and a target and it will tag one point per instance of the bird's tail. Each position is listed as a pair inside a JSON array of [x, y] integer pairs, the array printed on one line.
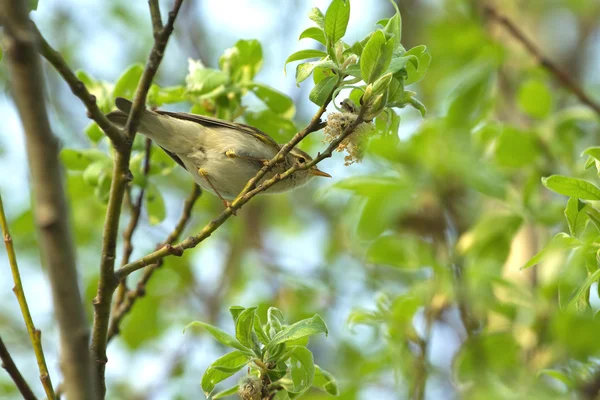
[[150, 122]]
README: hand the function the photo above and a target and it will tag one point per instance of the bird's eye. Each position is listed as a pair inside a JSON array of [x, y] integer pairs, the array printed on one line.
[[302, 160]]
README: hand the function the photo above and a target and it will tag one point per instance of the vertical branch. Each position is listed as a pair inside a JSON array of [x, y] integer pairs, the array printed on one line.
[[9, 365], [121, 176], [49, 199], [133, 223], [35, 335]]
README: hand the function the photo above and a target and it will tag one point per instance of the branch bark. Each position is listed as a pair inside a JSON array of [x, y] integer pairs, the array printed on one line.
[[35, 335], [563, 78], [50, 204], [120, 179], [9, 365]]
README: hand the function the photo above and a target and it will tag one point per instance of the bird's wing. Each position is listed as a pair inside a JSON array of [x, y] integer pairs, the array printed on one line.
[[174, 157], [208, 121]]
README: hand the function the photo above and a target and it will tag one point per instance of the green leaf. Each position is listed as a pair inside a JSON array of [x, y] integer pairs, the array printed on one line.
[[583, 289], [222, 369], [303, 55], [302, 369], [242, 61], [33, 5], [321, 92], [275, 319], [304, 70], [94, 171], [515, 148], [402, 251], [393, 26], [558, 375], [260, 332], [277, 126], [376, 57], [317, 16], [278, 102], [227, 392], [94, 133], [535, 98], [204, 81], [235, 312], [575, 217], [244, 326], [560, 242], [306, 327], [325, 381], [155, 205], [416, 73], [573, 187], [78, 160], [593, 152], [313, 33], [127, 83], [221, 336], [336, 20]]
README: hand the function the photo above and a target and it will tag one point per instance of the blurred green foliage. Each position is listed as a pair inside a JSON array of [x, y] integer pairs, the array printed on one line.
[[414, 257]]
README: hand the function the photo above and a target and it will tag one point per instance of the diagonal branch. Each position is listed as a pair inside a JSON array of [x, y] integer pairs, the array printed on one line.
[[49, 199], [120, 179], [79, 90], [140, 290], [34, 334], [563, 78], [248, 193], [157, 24], [9, 365]]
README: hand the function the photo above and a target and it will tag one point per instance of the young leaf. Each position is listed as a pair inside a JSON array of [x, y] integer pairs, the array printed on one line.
[[394, 27], [222, 369], [535, 98], [227, 392], [336, 20], [155, 205], [583, 289], [573, 187], [325, 381], [416, 73], [221, 336], [575, 218], [94, 133], [78, 160], [275, 318], [302, 369], [259, 330], [306, 327], [317, 17], [128, 81], [313, 33], [303, 55], [560, 242], [376, 57], [244, 325], [593, 152], [278, 102], [235, 312], [323, 90], [304, 70]]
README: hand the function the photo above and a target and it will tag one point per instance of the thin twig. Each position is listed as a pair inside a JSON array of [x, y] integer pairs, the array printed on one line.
[[157, 25], [248, 193], [9, 365], [140, 290], [49, 199], [136, 210], [120, 179], [564, 79], [35, 335], [79, 89]]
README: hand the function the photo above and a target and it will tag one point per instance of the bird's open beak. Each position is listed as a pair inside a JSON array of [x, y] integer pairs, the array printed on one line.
[[317, 172]]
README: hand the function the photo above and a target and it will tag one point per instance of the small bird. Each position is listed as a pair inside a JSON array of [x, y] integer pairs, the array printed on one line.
[[222, 156]]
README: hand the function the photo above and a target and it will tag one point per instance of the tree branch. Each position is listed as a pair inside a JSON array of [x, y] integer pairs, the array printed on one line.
[[140, 290], [136, 210], [9, 365], [79, 90], [563, 78], [121, 177], [50, 204], [249, 192], [34, 334], [157, 25]]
